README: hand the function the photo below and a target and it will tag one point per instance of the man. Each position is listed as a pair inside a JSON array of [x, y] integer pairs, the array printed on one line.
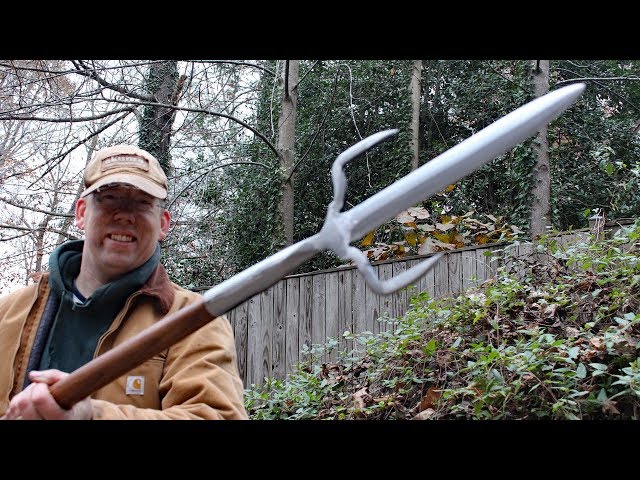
[[99, 292]]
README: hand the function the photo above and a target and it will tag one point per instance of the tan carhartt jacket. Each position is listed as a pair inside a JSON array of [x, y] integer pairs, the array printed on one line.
[[196, 378]]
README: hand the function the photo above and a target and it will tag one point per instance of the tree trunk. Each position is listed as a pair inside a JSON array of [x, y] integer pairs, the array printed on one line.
[[414, 91], [541, 192], [427, 122], [156, 123], [286, 143]]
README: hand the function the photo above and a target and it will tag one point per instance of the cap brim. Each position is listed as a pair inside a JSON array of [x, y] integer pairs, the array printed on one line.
[[136, 181]]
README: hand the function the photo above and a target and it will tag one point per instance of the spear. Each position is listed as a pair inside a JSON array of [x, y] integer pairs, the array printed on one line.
[[338, 231]]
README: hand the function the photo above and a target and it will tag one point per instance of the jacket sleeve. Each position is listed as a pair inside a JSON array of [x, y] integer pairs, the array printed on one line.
[[200, 380]]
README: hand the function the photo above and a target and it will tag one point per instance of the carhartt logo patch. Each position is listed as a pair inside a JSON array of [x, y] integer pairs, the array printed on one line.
[[135, 385]]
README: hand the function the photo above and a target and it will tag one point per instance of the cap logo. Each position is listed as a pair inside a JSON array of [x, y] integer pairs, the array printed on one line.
[[125, 161]]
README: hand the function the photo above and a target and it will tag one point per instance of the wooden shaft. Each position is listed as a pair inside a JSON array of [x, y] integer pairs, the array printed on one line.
[[107, 367]]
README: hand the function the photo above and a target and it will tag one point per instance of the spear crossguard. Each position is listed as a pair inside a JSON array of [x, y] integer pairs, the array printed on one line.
[[338, 231]]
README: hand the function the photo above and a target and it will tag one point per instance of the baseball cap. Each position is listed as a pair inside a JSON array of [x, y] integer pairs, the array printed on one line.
[[125, 164]]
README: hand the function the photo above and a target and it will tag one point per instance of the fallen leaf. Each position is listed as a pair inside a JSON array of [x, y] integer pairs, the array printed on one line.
[[609, 406], [425, 414], [361, 398], [571, 332], [404, 217], [368, 239], [550, 310], [419, 212], [443, 227], [411, 238], [597, 343], [430, 399]]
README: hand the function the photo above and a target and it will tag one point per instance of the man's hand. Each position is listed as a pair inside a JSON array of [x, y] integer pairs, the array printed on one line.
[[36, 402]]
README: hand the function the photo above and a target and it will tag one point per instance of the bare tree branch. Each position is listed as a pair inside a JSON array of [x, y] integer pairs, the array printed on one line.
[[596, 79], [84, 70], [64, 120], [306, 73], [264, 69], [33, 209], [208, 112], [58, 158], [35, 229]]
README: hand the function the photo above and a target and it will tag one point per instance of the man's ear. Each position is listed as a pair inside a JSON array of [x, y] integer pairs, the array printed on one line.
[[81, 207], [165, 222]]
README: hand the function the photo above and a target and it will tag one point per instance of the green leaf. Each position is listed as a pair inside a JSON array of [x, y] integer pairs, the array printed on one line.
[[602, 395], [430, 347], [599, 367]]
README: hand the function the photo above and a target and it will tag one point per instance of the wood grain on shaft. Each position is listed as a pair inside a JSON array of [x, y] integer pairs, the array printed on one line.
[[107, 367]]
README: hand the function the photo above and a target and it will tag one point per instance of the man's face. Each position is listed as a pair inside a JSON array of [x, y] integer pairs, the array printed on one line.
[[122, 228]]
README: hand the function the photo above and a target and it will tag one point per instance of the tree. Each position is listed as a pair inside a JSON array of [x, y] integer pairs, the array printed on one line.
[[541, 191], [286, 144], [156, 124], [414, 93]]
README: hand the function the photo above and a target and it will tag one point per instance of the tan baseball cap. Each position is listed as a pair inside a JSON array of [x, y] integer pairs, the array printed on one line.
[[125, 164]]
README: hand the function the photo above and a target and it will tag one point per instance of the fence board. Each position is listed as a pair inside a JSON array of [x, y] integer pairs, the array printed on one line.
[[399, 299], [238, 318], [427, 282], [255, 373], [318, 312], [372, 307], [345, 308], [455, 273], [331, 320], [292, 350], [266, 330], [468, 269], [441, 277], [279, 339], [385, 272], [306, 312], [360, 323], [482, 269]]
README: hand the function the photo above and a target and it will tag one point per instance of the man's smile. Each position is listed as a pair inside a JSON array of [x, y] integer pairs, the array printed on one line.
[[121, 238]]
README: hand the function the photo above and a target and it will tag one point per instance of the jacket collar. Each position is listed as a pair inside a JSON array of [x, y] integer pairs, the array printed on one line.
[[160, 287]]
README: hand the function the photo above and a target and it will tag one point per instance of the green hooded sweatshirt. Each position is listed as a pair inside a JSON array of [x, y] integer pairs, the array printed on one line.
[[78, 323]]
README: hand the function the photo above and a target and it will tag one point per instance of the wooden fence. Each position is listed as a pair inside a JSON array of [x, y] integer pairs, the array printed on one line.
[[272, 328]]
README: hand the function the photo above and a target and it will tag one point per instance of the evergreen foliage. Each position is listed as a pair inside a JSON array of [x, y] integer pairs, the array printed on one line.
[[593, 147]]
